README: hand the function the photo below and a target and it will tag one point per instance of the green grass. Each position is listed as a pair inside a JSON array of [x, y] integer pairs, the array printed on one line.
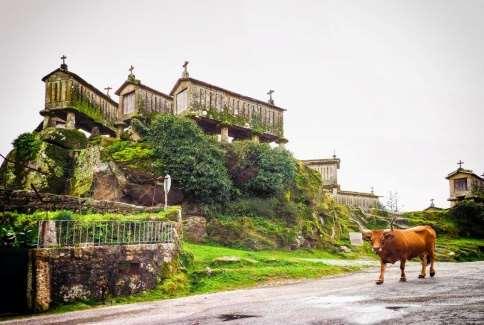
[[254, 267], [206, 274], [460, 249]]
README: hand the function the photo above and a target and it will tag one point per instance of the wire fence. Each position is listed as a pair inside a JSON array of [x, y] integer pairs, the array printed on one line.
[[68, 233]]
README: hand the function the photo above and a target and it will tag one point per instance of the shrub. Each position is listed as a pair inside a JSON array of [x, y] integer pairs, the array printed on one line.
[[258, 170], [307, 185], [469, 217], [194, 161], [132, 154], [26, 146]]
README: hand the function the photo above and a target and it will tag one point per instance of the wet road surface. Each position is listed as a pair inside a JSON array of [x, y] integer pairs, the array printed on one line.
[[454, 296]]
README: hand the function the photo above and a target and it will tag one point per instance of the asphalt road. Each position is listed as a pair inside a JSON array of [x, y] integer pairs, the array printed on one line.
[[454, 296]]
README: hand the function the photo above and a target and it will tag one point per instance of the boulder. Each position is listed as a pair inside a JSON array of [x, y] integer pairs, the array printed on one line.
[[195, 229]]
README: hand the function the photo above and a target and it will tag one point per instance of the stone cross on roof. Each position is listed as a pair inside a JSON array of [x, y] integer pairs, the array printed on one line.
[[185, 70], [107, 90], [131, 75], [63, 65], [432, 203], [460, 162], [270, 92]]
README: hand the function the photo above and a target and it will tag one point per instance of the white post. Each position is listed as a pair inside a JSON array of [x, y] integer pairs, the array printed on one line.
[[166, 187]]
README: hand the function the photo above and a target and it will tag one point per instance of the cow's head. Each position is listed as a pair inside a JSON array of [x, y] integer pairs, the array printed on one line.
[[376, 237]]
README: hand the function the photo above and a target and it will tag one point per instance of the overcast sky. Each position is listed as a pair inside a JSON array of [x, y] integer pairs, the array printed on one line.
[[395, 87]]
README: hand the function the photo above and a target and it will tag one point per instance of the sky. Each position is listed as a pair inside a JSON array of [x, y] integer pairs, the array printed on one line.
[[395, 88]]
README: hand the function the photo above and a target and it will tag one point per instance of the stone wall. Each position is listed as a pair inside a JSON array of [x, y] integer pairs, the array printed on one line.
[[26, 201], [61, 275]]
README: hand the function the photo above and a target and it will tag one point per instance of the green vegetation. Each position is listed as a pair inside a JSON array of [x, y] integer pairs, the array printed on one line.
[[460, 236], [83, 171], [194, 160], [206, 268], [259, 171], [460, 249], [26, 146], [131, 154], [64, 138], [20, 229], [469, 218]]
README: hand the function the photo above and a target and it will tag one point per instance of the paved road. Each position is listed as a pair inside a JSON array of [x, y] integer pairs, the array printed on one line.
[[454, 296]]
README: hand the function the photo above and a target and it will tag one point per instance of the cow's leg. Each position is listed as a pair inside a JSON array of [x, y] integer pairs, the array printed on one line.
[[432, 260], [403, 278], [423, 258], [382, 271]]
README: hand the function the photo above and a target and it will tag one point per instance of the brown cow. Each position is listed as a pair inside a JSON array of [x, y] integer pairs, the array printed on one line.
[[402, 245]]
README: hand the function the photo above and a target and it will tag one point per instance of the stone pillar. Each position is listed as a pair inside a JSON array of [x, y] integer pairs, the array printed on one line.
[[119, 129], [282, 143], [48, 234], [255, 137], [71, 120], [42, 288], [46, 123], [224, 134]]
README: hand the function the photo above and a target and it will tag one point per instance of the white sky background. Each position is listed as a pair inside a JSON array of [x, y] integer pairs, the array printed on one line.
[[396, 87]]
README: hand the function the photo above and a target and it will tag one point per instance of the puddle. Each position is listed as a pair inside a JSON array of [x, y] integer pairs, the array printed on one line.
[[229, 317], [395, 307]]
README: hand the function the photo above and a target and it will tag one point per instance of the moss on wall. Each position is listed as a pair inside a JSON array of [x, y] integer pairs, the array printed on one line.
[[83, 171], [66, 138]]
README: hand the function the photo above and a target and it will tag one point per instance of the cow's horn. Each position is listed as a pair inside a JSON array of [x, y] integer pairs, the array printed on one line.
[[366, 233]]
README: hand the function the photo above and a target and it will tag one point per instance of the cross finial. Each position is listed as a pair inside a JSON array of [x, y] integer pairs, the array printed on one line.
[[107, 90], [270, 92], [460, 162], [63, 65], [432, 203], [334, 153], [185, 69], [131, 68], [372, 190]]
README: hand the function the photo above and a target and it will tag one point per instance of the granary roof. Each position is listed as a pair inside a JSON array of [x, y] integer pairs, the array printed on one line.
[[326, 161], [143, 86], [365, 194], [75, 76], [203, 83], [461, 170]]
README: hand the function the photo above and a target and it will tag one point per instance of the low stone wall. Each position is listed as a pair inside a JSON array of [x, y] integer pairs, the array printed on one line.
[[26, 201], [61, 275]]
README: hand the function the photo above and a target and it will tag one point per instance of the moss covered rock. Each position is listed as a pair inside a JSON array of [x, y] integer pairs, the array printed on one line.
[[65, 138]]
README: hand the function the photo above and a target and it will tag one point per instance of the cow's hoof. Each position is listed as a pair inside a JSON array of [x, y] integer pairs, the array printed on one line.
[[403, 279], [420, 276], [432, 274], [379, 281]]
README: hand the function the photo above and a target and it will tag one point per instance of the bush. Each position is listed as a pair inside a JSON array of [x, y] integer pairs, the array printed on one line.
[[194, 161], [131, 154], [258, 170], [469, 217], [27, 146], [307, 185]]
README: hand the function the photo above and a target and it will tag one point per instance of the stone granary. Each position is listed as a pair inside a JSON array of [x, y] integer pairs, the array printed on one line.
[[464, 184], [71, 102], [328, 169]]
